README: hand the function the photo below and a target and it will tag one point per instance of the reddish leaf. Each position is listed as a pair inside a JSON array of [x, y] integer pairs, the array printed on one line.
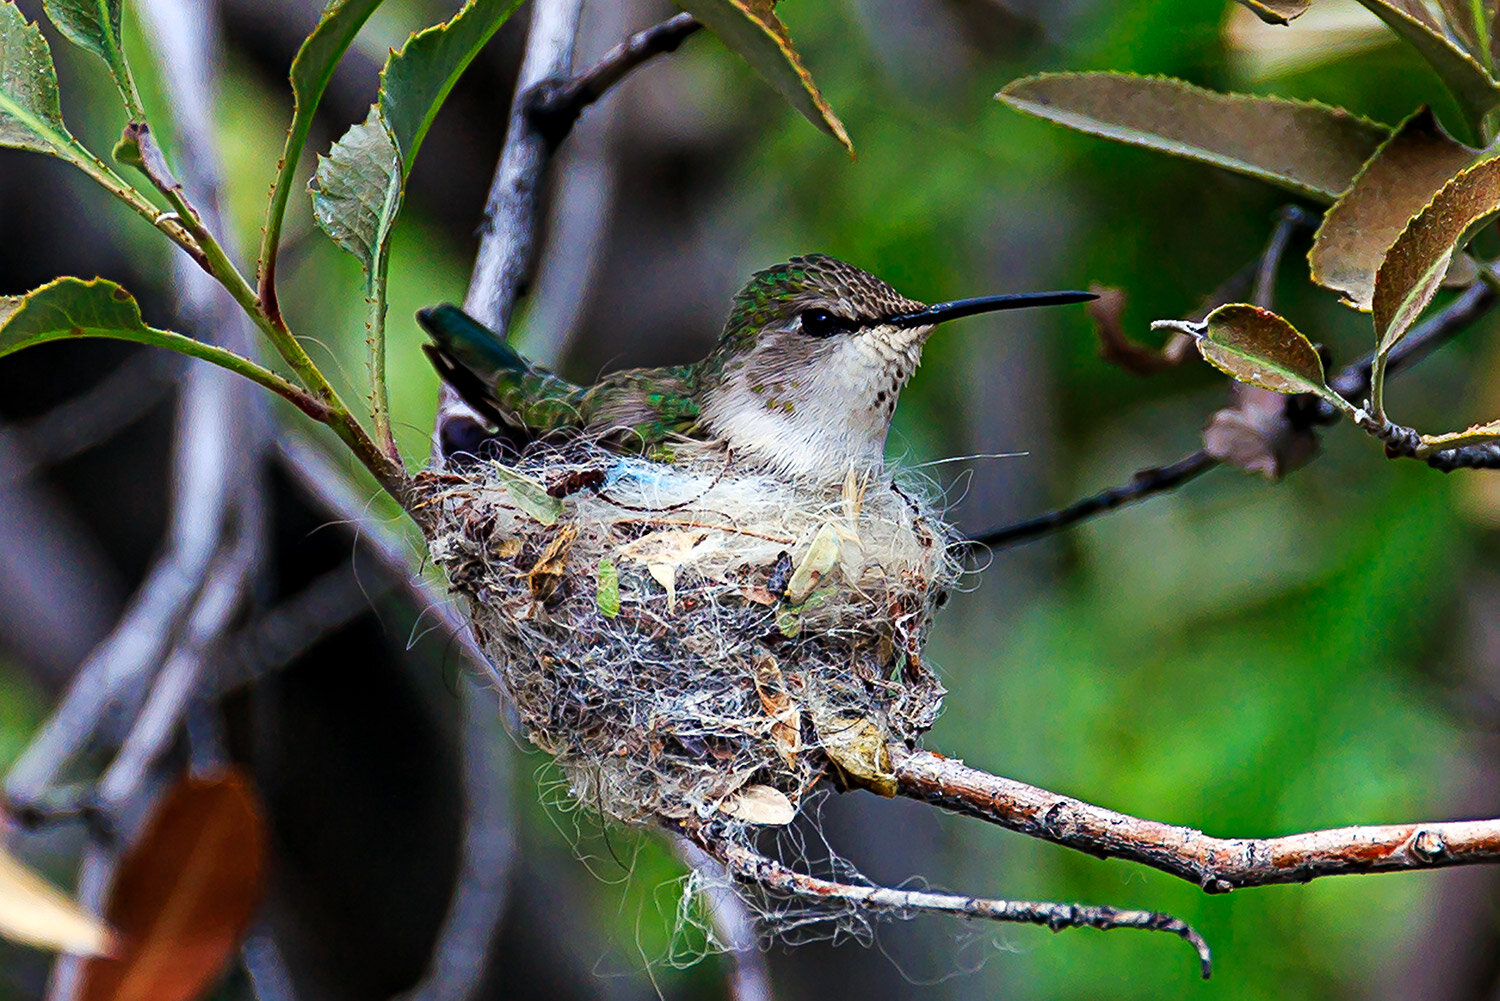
[[184, 895], [1393, 186], [1256, 435], [1116, 346], [753, 31], [1414, 266], [1257, 347]]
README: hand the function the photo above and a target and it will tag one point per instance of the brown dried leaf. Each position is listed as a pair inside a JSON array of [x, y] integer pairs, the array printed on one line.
[[753, 31], [1256, 436], [185, 894], [1398, 180], [776, 701], [1414, 266], [547, 572], [1277, 11], [33, 912], [760, 804], [1308, 148], [1116, 346]]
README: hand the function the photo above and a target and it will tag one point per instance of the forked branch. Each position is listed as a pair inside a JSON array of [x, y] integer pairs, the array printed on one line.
[[751, 867]]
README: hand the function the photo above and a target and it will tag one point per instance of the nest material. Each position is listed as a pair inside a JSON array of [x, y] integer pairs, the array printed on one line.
[[690, 639]]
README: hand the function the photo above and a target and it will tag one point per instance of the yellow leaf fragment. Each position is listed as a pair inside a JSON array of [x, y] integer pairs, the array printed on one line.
[[33, 912], [857, 747], [821, 557]]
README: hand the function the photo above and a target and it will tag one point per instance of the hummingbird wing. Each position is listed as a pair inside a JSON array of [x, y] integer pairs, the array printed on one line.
[[492, 377], [636, 408]]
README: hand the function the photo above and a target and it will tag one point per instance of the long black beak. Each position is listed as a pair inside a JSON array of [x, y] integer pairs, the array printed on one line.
[[986, 304]]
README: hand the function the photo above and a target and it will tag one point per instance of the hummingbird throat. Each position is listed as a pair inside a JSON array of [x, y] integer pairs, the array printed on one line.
[[814, 409]]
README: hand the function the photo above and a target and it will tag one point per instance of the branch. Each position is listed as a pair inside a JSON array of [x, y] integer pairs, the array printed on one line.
[[554, 105], [1352, 382], [1217, 865], [748, 866], [1143, 484]]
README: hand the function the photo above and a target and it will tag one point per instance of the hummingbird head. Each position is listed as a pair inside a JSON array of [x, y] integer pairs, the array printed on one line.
[[813, 358]]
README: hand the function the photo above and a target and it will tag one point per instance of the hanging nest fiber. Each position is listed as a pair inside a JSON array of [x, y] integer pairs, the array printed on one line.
[[694, 641]]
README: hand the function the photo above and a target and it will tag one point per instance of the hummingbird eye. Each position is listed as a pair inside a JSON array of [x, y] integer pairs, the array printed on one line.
[[822, 323]]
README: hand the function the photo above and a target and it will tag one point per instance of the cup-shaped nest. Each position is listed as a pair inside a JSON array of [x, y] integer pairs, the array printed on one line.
[[691, 638]]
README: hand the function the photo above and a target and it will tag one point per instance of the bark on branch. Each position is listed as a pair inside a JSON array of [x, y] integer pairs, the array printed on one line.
[[1217, 865]]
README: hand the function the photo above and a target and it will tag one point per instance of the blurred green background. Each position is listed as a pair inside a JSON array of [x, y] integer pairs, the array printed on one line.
[[1246, 657]]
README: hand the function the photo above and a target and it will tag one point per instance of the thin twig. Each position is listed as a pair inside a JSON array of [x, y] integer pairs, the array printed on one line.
[[181, 677], [1218, 865], [751, 867], [1143, 484], [1352, 382], [554, 105]]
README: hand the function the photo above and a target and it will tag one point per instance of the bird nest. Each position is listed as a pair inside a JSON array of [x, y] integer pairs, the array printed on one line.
[[691, 640]]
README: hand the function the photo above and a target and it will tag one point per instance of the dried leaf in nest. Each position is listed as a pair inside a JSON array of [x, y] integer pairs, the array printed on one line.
[[821, 557], [857, 747], [529, 495], [547, 572], [664, 551], [759, 804], [786, 717]]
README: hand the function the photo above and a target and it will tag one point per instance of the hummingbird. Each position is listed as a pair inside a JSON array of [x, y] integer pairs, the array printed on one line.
[[803, 381]]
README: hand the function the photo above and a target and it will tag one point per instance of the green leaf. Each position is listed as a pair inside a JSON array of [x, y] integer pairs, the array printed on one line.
[[1398, 180], [607, 590], [418, 78], [311, 70], [357, 190], [1308, 148], [1257, 347], [1477, 92], [753, 31], [1277, 11], [72, 307], [94, 25], [30, 116], [1414, 266]]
